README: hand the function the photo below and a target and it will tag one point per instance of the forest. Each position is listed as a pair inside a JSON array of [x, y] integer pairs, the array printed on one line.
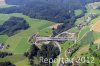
[[52, 10], [11, 26], [6, 64], [46, 51], [56, 11]]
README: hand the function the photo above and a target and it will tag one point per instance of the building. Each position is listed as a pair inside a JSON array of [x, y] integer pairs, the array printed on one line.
[[55, 26], [69, 51], [81, 25]]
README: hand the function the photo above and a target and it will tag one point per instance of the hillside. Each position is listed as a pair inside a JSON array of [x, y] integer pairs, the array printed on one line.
[[52, 29], [52, 10]]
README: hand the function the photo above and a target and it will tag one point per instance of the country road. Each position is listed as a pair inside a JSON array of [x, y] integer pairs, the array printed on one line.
[[59, 45]]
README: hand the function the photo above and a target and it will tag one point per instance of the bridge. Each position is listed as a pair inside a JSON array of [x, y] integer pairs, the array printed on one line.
[[53, 38], [36, 38]]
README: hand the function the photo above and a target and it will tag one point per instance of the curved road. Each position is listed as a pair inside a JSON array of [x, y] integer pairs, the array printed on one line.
[[59, 45]]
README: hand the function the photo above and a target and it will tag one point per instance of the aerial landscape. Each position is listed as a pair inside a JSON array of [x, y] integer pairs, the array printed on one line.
[[49, 32]]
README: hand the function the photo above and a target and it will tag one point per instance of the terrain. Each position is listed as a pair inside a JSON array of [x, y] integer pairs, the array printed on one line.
[[17, 14]]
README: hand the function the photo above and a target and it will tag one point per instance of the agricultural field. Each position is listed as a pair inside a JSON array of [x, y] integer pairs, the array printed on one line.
[[97, 41], [82, 50], [74, 29], [96, 27], [90, 10], [64, 48], [19, 42], [3, 18], [88, 34], [85, 36], [83, 32]]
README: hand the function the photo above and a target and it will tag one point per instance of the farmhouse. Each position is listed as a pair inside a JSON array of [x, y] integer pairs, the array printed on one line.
[[81, 25], [69, 51], [92, 16], [55, 26]]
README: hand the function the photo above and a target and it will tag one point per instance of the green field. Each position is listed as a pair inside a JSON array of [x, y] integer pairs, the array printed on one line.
[[96, 60], [83, 32], [83, 49], [64, 48], [3, 18], [3, 38], [74, 29], [94, 21], [96, 35], [86, 36], [14, 59], [90, 10], [21, 38], [80, 20], [23, 63], [19, 42], [78, 12]]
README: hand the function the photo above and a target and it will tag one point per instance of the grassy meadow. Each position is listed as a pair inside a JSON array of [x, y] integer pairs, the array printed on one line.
[[19, 42]]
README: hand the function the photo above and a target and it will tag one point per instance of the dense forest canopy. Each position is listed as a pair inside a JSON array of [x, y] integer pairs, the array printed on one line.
[[61, 11], [53, 10], [20, 2], [6, 64]]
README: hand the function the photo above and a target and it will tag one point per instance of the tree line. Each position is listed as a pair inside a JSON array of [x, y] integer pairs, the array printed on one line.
[[53, 10], [46, 51]]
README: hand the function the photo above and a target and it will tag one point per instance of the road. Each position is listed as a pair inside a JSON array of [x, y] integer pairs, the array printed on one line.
[[54, 38], [59, 45]]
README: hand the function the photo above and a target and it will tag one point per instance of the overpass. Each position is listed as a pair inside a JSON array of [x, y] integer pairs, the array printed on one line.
[[36, 38], [54, 38]]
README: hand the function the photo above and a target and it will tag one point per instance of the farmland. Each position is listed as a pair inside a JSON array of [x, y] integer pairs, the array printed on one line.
[[19, 42], [96, 27]]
